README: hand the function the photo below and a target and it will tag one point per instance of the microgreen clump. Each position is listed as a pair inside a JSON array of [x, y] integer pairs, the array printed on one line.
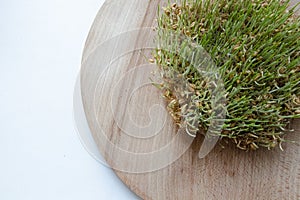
[[255, 45]]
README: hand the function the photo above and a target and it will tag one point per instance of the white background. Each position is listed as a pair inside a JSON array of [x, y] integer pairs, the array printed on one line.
[[41, 43]]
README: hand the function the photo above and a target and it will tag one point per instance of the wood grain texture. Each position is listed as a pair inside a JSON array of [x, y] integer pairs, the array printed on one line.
[[224, 174]]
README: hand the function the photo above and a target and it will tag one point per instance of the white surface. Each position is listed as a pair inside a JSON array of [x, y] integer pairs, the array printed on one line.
[[41, 156]]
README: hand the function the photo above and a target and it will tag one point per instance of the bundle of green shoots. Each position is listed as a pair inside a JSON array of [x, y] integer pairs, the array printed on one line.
[[255, 45]]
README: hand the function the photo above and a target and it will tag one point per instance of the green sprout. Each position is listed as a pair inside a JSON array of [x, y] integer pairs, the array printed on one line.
[[255, 45]]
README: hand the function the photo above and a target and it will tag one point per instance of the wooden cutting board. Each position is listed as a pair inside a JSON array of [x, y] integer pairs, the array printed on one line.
[[226, 173]]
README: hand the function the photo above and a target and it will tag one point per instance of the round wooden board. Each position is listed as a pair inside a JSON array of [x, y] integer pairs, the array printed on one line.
[[224, 174]]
